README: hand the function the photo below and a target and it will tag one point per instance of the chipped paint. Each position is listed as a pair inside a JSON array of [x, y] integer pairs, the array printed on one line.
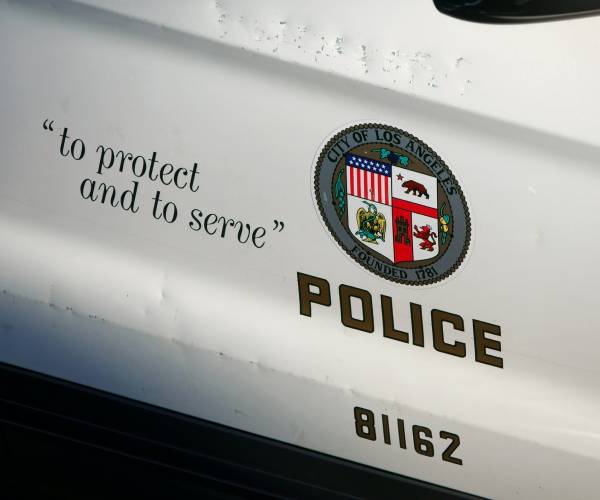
[[415, 69], [293, 41]]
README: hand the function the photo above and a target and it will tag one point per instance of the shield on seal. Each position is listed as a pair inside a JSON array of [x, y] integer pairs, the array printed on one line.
[[392, 209], [415, 215]]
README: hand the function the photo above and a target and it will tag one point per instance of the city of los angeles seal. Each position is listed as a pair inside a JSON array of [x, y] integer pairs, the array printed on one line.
[[392, 204]]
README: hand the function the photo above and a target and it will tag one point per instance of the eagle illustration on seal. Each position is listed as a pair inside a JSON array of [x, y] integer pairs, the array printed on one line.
[[371, 224]]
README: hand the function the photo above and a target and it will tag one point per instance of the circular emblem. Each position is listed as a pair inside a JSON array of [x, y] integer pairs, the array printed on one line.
[[392, 204]]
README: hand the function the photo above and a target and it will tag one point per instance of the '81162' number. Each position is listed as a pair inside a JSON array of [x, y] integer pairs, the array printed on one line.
[[367, 428]]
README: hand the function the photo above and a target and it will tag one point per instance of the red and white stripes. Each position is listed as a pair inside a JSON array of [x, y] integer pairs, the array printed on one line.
[[368, 185]]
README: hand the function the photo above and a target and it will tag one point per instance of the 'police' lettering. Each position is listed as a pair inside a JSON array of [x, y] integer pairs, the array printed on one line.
[[446, 327]]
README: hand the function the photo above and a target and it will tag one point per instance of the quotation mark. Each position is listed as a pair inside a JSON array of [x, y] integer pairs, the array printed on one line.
[[48, 126], [278, 226]]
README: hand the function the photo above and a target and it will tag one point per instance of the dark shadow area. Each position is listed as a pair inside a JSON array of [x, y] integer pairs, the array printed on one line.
[[60, 440]]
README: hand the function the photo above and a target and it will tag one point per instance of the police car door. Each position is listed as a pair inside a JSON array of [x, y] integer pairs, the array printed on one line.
[[367, 230]]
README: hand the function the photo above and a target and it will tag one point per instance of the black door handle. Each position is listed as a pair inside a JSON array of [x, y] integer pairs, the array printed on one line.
[[517, 11]]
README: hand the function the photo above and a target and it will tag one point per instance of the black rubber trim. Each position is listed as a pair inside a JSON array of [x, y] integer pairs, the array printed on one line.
[[517, 11], [64, 440]]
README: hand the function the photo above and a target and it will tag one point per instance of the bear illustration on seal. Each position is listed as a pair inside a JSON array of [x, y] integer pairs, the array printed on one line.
[[415, 187]]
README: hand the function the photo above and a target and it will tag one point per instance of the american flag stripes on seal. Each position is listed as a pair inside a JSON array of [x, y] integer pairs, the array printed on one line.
[[369, 179]]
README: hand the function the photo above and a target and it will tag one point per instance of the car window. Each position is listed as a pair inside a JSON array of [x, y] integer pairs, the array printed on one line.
[[512, 11]]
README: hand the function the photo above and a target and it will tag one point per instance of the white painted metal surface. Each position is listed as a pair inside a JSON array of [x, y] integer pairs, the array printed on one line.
[[210, 327]]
